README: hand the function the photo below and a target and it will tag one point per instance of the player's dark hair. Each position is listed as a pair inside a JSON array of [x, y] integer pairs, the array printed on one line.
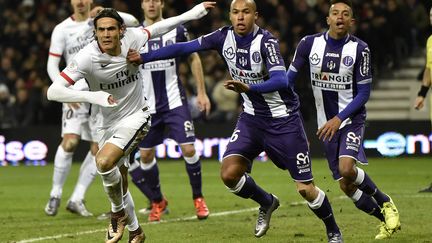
[[347, 2], [109, 13]]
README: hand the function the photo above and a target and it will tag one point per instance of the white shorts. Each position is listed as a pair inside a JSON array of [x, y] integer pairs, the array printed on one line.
[[76, 121], [127, 133]]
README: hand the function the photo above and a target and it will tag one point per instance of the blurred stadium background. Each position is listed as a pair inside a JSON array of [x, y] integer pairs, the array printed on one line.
[[396, 31]]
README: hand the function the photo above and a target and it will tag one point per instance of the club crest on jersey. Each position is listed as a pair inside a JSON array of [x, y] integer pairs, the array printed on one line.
[[256, 57], [331, 65], [169, 42], [314, 59], [348, 61], [154, 46], [229, 53], [243, 61]]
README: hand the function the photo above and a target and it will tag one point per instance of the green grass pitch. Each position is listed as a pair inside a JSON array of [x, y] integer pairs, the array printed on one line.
[[24, 192]]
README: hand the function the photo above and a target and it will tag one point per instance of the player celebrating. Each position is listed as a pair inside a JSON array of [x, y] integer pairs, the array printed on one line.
[[340, 73], [270, 121], [115, 86], [67, 39], [168, 105]]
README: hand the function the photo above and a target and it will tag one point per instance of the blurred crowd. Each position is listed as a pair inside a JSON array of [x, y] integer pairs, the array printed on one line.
[[394, 30]]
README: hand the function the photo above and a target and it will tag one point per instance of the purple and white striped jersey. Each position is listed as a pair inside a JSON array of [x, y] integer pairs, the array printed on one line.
[[162, 86], [336, 68], [249, 60]]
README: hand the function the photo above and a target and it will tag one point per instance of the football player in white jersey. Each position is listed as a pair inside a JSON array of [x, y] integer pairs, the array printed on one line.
[[115, 85], [67, 39], [168, 105], [341, 77]]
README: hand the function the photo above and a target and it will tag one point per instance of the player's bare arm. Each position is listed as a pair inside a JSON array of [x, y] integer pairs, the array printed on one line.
[[203, 101], [426, 83]]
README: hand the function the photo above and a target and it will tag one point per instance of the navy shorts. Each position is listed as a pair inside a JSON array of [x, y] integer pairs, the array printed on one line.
[[176, 124], [283, 139], [347, 142]]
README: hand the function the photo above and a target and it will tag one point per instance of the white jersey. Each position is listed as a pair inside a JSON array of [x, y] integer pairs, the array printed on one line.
[[162, 87], [68, 38], [111, 74]]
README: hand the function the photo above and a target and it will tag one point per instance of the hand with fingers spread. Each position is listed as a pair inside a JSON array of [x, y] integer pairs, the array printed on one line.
[[329, 129]]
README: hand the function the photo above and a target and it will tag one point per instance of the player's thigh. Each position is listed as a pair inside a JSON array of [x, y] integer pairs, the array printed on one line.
[[155, 135], [288, 148], [180, 124]]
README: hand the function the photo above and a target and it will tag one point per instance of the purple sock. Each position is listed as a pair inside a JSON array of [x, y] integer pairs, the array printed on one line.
[[369, 187], [194, 173], [152, 178], [325, 213], [251, 190], [369, 206], [138, 179]]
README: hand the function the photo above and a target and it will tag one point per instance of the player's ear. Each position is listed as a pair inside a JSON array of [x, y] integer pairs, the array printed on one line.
[[328, 20], [122, 30]]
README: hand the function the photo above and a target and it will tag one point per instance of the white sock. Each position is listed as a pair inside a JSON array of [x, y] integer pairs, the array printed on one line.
[[192, 160], [87, 174], [318, 201], [149, 165], [132, 223], [62, 165], [112, 183]]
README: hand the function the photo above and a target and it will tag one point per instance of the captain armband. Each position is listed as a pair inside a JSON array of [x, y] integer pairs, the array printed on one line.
[[423, 91]]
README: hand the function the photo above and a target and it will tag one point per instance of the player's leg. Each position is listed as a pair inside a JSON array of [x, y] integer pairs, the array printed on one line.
[[290, 134], [245, 144], [116, 146], [150, 172], [87, 173], [135, 231], [351, 151], [193, 169], [136, 173], [181, 130], [62, 165]]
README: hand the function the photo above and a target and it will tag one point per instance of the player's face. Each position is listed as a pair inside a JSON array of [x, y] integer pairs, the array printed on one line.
[[152, 9], [340, 20], [81, 6], [108, 35], [243, 16]]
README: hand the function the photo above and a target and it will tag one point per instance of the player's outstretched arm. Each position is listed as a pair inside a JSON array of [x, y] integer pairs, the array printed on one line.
[[166, 25], [58, 91]]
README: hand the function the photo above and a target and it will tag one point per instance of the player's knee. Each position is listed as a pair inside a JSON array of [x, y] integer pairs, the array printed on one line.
[[347, 187], [229, 176], [147, 156], [188, 151], [70, 144], [347, 172], [103, 163]]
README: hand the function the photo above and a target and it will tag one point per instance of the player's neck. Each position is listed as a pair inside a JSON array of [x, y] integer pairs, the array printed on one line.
[[149, 21], [79, 17], [336, 36]]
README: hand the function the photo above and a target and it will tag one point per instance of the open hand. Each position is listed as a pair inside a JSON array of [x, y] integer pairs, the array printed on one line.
[[236, 86]]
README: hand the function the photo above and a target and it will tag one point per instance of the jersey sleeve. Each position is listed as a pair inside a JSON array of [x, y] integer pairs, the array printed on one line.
[[213, 40], [429, 52], [363, 72], [78, 67], [271, 54], [301, 55], [140, 36], [57, 45]]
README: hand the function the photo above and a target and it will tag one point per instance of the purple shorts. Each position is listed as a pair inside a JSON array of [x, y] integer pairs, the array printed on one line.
[[283, 139], [177, 121], [347, 142]]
